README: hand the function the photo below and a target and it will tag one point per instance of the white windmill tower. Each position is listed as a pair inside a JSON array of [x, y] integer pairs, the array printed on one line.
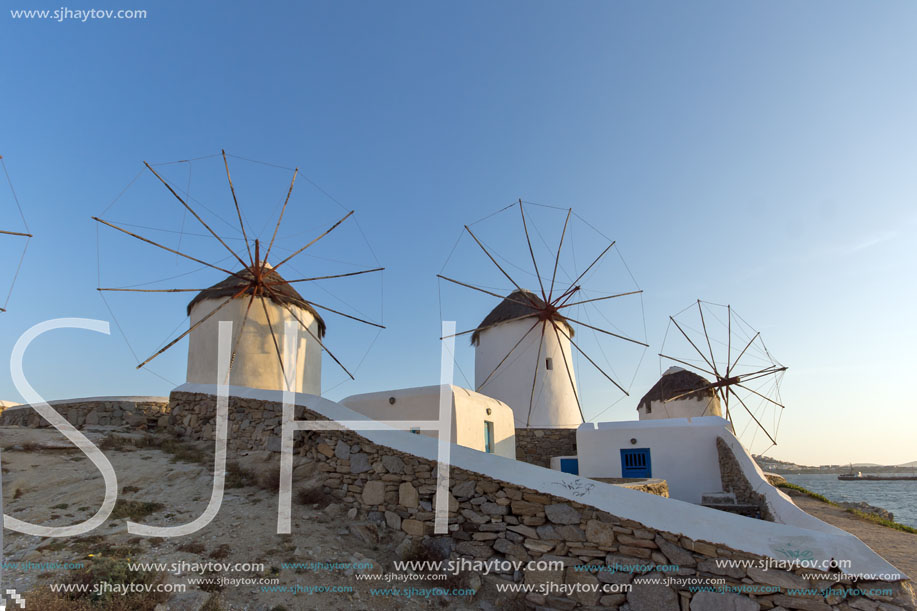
[[543, 396], [524, 348]]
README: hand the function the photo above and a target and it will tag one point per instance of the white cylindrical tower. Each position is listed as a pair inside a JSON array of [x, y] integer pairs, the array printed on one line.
[[679, 393], [256, 364], [537, 360]]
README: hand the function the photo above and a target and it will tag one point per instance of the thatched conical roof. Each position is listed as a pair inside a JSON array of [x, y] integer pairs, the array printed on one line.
[[516, 304], [677, 381], [284, 292]]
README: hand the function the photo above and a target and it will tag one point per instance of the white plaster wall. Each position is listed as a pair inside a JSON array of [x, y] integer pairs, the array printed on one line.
[[256, 364], [686, 407], [469, 411], [554, 404], [823, 541], [682, 451]]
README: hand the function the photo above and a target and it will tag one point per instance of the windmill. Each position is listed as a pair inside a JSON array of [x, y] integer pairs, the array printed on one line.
[[22, 237], [251, 293], [526, 347], [740, 372]]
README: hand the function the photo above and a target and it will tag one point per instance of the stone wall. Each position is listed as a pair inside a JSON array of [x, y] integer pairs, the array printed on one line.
[[137, 412], [538, 446], [389, 494], [734, 481]]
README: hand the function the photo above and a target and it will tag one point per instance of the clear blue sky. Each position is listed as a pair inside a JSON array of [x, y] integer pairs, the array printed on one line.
[[761, 154]]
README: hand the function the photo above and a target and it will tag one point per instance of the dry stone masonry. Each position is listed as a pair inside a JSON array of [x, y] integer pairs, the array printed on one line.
[[389, 496], [537, 446]]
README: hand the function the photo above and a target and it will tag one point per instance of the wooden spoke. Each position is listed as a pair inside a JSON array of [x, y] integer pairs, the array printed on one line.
[[277, 227], [728, 339], [692, 365], [25, 235], [238, 211], [365, 271], [755, 392], [568, 305], [503, 360], [270, 326], [585, 271], [761, 426], [190, 329], [528, 419], [171, 250], [153, 290], [194, 214], [748, 377], [690, 341], [235, 346], [747, 346], [317, 340], [491, 325], [557, 258], [594, 364], [327, 231], [627, 339], [570, 375], [707, 337], [312, 303], [471, 286], [544, 295], [494, 261]]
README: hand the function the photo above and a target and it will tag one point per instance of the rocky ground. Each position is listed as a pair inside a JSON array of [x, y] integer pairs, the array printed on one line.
[[46, 481]]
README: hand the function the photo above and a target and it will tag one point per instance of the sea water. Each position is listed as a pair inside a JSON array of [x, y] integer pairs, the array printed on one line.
[[900, 498]]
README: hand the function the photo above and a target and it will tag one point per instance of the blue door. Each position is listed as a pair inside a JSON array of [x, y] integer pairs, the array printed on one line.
[[636, 463], [569, 465]]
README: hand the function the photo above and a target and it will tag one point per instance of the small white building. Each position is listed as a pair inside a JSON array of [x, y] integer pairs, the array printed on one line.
[[478, 422], [681, 451], [537, 359], [256, 364], [679, 394]]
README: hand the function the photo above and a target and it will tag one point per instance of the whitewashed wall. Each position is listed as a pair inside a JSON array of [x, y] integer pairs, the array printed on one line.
[[256, 364], [469, 411], [554, 405], [682, 451]]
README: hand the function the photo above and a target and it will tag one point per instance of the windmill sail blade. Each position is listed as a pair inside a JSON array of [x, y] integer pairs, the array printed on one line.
[[557, 258], [331, 277], [173, 251], [317, 340], [499, 267], [606, 332], [179, 338], [471, 286], [570, 377], [277, 226], [270, 326], [585, 271], [686, 363], [761, 426], [588, 358], [528, 419], [194, 214], [327, 231], [238, 211], [576, 303], [532, 252], [485, 327]]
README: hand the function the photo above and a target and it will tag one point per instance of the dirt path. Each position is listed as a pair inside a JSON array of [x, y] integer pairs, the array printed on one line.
[[899, 548]]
